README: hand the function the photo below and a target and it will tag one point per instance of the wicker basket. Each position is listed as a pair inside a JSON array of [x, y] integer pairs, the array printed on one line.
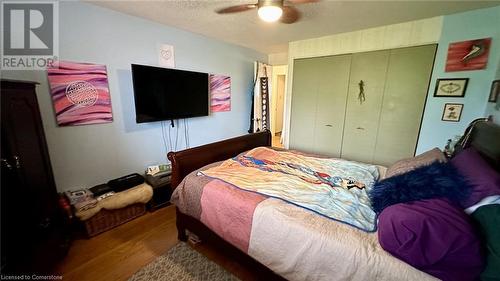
[[108, 219]]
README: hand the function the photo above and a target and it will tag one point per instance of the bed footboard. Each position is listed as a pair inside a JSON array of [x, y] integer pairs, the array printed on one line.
[[186, 161]]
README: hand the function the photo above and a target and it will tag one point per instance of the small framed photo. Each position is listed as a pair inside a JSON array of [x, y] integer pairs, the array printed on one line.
[[452, 112], [495, 91], [451, 87]]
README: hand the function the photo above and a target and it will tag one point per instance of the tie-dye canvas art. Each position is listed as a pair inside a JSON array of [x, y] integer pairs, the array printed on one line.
[[80, 93], [220, 93]]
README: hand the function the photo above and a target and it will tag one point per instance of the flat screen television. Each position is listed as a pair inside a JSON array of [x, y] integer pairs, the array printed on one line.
[[168, 94]]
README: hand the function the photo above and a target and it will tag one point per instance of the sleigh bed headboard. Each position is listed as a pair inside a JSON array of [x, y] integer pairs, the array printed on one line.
[[485, 138], [186, 161]]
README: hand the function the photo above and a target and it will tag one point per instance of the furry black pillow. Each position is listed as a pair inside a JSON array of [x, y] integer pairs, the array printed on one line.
[[437, 180]]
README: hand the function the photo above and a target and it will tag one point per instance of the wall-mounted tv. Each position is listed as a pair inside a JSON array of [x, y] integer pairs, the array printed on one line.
[[168, 94]]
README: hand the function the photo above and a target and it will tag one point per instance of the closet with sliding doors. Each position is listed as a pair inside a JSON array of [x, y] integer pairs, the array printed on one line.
[[365, 106]]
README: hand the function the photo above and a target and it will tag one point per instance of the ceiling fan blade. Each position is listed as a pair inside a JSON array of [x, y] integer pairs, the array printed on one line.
[[290, 15], [302, 1], [237, 9]]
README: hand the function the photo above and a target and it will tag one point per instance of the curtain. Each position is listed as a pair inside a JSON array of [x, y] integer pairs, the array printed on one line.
[[261, 106]]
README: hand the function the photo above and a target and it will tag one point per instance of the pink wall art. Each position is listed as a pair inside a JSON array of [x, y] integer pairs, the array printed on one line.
[[220, 93], [468, 55], [80, 93]]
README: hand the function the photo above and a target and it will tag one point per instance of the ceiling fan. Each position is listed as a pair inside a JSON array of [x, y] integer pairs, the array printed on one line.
[[271, 10]]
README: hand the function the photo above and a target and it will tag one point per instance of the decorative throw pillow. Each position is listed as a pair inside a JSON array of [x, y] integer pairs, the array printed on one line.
[[424, 159], [438, 180], [488, 218], [485, 181], [433, 236]]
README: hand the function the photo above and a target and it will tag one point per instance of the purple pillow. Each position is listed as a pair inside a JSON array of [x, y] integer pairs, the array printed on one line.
[[485, 181], [433, 236]]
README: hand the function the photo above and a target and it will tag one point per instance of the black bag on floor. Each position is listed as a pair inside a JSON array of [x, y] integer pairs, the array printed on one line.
[[126, 182]]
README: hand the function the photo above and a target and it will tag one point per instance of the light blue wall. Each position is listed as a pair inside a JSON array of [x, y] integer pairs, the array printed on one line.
[[459, 27], [83, 156], [494, 108]]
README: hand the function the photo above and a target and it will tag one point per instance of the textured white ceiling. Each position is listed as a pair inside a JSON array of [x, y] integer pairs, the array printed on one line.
[[318, 19]]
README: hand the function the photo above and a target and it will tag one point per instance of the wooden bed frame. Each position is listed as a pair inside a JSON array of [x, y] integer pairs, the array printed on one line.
[[483, 136], [186, 161]]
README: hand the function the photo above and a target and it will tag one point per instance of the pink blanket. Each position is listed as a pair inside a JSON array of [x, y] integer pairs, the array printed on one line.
[[228, 211]]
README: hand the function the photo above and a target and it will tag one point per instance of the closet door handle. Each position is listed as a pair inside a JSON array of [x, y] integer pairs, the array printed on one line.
[[329, 125], [360, 128]]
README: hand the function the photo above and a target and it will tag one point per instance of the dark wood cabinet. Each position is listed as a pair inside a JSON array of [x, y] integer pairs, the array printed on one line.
[[33, 229]]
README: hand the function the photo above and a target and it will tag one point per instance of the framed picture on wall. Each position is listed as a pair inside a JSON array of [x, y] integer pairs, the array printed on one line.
[[451, 87], [452, 112], [495, 91]]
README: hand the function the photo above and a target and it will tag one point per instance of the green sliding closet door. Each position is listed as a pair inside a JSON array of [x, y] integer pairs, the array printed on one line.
[[362, 115], [318, 104], [404, 100], [303, 114], [330, 108], [328, 117]]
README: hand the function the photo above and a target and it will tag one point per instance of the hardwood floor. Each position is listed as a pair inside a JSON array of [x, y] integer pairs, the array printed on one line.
[[118, 253], [276, 140]]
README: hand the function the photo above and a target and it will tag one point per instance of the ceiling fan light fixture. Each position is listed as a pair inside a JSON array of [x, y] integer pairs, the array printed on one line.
[[270, 13]]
